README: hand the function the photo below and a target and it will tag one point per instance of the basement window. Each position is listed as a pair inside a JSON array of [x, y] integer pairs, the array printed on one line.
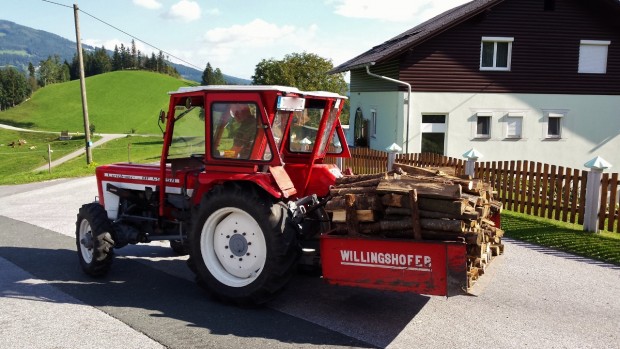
[[495, 53], [553, 125], [593, 56], [514, 125], [483, 125]]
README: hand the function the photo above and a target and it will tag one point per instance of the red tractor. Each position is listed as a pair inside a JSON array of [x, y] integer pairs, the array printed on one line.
[[240, 186], [237, 188]]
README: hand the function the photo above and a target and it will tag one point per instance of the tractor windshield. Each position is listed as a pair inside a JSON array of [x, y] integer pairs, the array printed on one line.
[[305, 126], [188, 137], [238, 132]]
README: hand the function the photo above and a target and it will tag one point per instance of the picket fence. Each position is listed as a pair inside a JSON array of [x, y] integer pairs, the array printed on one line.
[[533, 188]]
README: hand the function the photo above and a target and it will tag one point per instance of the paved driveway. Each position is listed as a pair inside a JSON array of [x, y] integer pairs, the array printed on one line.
[[530, 297]]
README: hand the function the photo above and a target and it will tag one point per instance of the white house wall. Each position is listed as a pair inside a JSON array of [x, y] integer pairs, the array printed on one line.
[[390, 109], [590, 125]]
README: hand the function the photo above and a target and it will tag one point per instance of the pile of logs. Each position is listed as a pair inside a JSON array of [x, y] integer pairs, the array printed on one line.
[[420, 204]]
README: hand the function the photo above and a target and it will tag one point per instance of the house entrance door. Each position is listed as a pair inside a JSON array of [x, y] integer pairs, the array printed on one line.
[[433, 134]]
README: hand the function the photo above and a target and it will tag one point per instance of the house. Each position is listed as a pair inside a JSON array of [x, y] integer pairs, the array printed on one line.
[[516, 79]]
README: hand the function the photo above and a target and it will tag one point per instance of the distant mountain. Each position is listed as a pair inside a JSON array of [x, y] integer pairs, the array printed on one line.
[[20, 45]]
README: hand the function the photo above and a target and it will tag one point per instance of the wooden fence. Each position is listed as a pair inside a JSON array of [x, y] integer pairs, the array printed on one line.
[[533, 188]]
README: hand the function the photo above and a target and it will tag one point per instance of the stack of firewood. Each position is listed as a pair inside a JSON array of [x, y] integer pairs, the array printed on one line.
[[420, 204]]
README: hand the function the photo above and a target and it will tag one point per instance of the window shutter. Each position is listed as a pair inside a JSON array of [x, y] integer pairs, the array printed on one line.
[[593, 57]]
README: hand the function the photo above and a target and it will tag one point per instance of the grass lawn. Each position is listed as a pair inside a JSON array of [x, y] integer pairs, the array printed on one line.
[[18, 160], [142, 150], [604, 246], [118, 102]]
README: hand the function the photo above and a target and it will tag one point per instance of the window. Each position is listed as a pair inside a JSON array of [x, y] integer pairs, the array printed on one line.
[[553, 127], [234, 129], [593, 56], [495, 53], [514, 125], [433, 133], [373, 122], [483, 125]]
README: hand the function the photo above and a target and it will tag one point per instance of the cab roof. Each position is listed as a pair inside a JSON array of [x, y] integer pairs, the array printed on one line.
[[285, 89]]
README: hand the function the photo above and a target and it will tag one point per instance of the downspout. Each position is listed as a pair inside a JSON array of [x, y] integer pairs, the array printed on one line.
[[408, 99]]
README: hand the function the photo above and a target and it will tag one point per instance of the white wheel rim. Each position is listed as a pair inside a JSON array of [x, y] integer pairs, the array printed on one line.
[[233, 247], [86, 241]]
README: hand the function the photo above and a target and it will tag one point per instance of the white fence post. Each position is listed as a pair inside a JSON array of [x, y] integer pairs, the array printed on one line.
[[472, 155], [392, 151], [593, 193]]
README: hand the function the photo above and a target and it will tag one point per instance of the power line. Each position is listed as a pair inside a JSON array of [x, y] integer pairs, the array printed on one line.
[[55, 3], [128, 34]]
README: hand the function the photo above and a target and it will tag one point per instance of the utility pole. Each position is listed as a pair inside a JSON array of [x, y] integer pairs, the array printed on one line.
[[89, 155]]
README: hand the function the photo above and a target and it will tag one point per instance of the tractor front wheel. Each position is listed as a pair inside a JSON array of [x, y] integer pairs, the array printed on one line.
[[243, 247], [93, 232]]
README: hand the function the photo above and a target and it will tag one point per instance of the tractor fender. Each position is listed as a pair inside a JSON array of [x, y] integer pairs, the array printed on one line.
[[262, 181]]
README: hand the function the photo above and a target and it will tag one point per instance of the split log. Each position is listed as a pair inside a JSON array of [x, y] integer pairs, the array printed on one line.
[[384, 226], [424, 189], [451, 225], [397, 211], [415, 216], [340, 216], [433, 174], [352, 190], [366, 183], [362, 202], [432, 214], [358, 178], [415, 170], [495, 207], [351, 215], [455, 207]]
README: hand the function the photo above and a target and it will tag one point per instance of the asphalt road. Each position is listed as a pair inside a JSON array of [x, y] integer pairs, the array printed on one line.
[[530, 297]]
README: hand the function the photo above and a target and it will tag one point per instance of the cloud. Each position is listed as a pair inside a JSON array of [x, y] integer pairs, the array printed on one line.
[[185, 10], [393, 10], [150, 4], [255, 40]]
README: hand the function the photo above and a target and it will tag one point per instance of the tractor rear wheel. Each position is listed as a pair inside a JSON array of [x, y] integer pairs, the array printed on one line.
[[93, 232], [243, 246]]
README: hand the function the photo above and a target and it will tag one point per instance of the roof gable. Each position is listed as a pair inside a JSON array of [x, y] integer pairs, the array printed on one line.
[[420, 33]]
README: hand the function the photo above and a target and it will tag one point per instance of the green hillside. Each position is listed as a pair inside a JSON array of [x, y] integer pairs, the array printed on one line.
[[118, 102]]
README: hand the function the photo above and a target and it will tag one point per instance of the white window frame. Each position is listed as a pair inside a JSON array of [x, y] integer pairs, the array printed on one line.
[[555, 115], [495, 40], [489, 116], [593, 56], [373, 122], [514, 115]]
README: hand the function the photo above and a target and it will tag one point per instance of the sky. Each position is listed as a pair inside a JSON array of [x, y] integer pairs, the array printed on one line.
[[232, 35]]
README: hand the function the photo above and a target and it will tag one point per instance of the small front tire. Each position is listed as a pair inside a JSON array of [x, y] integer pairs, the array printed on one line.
[[93, 232]]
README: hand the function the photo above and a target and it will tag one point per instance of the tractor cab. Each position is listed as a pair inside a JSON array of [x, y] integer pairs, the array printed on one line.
[[243, 131]]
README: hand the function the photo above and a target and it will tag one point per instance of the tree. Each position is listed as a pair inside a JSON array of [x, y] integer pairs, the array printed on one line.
[[306, 71], [117, 62], [212, 77], [218, 77], [101, 62], [14, 88], [133, 58], [32, 80], [52, 71]]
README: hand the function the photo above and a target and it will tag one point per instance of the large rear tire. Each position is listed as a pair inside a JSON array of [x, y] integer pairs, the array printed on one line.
[[93, 232], [243, 246]]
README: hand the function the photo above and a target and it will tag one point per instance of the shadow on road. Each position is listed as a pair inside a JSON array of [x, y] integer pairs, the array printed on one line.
[[177, 313]]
